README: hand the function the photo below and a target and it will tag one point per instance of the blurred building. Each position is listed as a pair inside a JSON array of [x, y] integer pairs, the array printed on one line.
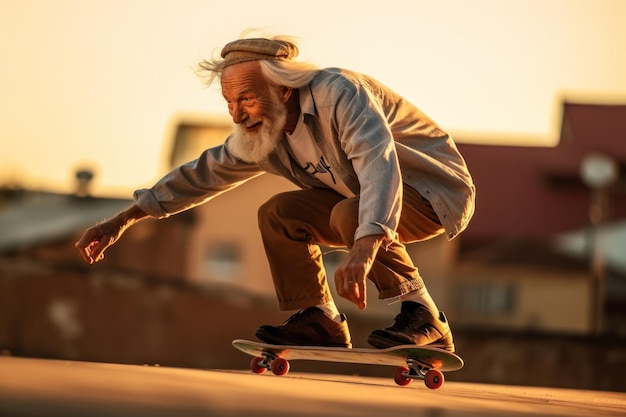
[[541, 237]]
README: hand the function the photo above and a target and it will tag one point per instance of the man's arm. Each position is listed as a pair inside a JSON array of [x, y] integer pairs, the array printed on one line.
[[98, 238]]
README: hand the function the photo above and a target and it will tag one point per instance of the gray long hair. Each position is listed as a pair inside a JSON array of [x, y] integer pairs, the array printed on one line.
[[288, 73]]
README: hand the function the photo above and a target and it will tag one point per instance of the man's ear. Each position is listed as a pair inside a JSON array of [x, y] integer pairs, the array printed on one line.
[[285, 93]]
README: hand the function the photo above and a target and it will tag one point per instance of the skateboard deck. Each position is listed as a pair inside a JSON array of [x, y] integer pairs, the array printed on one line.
[[412, 362]]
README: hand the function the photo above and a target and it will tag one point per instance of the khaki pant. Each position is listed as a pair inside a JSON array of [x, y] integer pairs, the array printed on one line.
[[293, 225]]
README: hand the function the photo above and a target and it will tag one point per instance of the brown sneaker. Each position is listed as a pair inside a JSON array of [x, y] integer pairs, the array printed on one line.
[[415, 325], [308, 327]]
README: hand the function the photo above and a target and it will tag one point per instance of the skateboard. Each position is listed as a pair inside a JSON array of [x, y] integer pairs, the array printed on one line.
[[412, 362]]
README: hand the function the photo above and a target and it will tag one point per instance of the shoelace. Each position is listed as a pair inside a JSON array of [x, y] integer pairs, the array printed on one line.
[[406, 320], [299, 316], [401, 322]]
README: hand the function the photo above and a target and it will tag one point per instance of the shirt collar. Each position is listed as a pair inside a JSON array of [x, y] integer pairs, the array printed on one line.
[[307, 105]]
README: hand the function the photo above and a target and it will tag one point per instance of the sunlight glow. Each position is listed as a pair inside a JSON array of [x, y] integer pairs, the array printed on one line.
[[100, 82]]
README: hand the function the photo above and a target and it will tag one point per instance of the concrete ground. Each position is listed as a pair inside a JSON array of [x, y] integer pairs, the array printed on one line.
[[36, 387]]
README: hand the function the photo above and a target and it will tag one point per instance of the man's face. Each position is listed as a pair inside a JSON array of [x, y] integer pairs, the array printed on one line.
[[256, 107]]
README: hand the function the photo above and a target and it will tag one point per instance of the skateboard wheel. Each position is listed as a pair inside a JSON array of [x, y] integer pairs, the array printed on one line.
[[279, 366], [399, 376], [255, 365], [433, 379]]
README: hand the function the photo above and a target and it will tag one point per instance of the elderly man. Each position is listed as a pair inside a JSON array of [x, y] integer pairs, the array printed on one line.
[[374, 173]]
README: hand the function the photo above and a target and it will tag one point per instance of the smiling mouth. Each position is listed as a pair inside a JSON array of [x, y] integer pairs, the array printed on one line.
[[252, 126]]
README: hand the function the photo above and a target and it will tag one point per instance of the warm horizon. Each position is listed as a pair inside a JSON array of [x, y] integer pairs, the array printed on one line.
[[102, 83]]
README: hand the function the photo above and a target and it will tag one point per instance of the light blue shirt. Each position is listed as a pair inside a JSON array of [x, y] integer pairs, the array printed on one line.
[[374, 139]]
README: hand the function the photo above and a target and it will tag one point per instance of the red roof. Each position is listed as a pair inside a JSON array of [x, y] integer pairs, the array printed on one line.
[[538, 192]]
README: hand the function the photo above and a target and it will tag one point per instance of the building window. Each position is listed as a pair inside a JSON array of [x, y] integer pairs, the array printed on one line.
[[487, 299], [223, 261]]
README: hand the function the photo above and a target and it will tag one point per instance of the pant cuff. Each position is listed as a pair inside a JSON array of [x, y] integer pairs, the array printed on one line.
[[404, 288], [304, 303]]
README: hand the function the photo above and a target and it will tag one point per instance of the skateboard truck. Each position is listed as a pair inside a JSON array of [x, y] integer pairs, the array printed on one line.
[[268, 360], [416, 369]]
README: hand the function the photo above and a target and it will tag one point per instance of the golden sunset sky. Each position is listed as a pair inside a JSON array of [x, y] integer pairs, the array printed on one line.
[[101, 82]]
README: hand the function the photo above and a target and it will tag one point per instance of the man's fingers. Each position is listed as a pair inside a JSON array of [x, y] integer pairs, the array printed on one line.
[[91, 248], [84, 241], [362, 302], [353, 291], [97, 250], [82, 251], [358, 294]]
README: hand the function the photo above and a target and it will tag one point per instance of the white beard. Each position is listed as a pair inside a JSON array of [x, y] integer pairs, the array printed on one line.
[[256, 147]]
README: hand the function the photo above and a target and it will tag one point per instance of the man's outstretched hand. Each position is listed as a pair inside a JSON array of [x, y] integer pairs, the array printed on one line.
[[97, 239]]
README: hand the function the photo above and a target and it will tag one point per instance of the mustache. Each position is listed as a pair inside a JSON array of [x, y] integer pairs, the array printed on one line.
[[249, 123]]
